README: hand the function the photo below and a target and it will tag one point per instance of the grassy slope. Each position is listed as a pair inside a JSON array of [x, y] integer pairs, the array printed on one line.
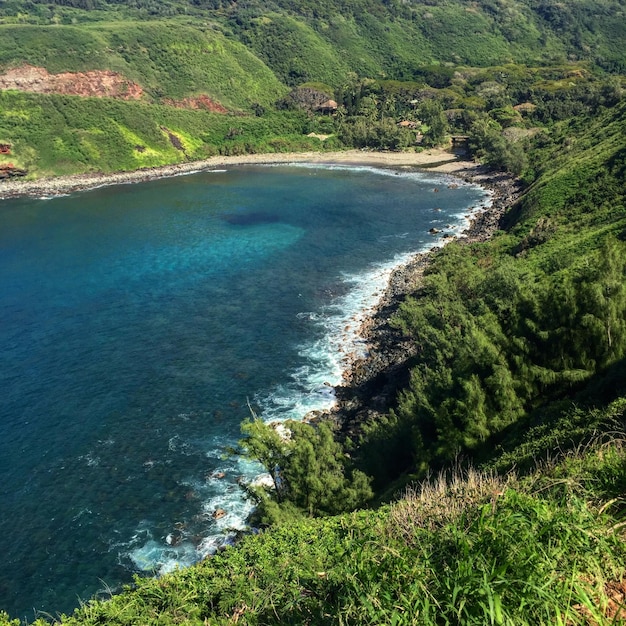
[[556, 233], [55, 135], [299, 50], [168, 59], [377, 39], [68, 134], [581, 196]]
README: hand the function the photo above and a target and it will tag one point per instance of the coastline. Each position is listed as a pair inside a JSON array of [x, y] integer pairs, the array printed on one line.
[[371, 384], [436, 159]]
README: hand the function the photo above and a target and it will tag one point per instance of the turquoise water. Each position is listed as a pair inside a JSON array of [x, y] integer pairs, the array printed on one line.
[[138, 321]]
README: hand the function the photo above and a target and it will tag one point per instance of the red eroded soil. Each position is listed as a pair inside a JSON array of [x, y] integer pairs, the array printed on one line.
[[197, 102], [97, 83], [616, 611]]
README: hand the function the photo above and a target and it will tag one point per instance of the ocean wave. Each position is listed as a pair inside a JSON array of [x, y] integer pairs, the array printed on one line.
[[53, 197], [338, 344], [224, 511]]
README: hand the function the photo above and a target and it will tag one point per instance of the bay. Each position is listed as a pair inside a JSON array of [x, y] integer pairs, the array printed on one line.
[[136, 324]]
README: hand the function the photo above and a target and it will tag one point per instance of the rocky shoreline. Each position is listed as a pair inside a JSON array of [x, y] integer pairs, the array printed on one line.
[[371, 384]]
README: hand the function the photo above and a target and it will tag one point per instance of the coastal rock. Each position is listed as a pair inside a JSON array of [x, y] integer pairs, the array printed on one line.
[[173, 539], [218, 513], [8, 170], [262, 480], [317, 415]]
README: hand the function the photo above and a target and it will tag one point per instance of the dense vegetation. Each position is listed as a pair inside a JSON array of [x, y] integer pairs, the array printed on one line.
[[521, 341], [167, 60], [532, 317], [469, 548], [55, 134]]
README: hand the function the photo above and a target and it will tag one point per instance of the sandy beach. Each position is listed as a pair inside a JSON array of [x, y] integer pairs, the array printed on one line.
[[436, 159]]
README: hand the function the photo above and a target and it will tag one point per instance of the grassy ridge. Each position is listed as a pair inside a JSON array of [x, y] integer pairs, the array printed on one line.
[[300, 49], [401, 35]]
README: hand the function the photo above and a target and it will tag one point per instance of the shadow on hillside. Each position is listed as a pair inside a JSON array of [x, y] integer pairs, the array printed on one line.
[[562, 425]]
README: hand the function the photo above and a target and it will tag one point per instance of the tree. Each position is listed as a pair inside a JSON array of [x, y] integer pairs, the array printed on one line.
[[368, 108], [309, 470], [602, 296], [431, 113], [487, 143]]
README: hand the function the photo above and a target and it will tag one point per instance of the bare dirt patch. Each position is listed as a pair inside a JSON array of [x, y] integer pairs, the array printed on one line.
[[95, 83], [610, 603]]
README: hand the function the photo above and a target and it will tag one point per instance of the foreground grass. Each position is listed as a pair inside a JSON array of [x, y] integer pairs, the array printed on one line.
[[469, 547]]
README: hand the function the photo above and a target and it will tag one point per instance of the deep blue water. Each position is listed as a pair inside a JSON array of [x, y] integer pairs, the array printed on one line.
[[137, 321]]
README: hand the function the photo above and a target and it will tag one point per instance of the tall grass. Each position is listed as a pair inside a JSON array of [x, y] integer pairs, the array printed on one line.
[[464, 548]]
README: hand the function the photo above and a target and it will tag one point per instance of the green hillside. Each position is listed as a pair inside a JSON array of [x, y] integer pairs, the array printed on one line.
[[246, 58], [371, 37], [517, 329], [168, 59], [520, 342], [55, 134]]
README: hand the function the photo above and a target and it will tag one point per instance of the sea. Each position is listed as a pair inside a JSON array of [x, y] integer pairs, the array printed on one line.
[[140, 324]]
